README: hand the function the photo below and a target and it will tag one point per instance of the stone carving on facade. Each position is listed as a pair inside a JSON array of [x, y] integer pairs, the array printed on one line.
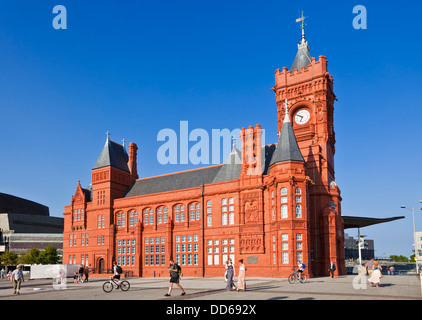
[[251, 243]]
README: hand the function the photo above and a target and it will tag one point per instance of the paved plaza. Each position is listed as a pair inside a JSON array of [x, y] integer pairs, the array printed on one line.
[[340, 288]]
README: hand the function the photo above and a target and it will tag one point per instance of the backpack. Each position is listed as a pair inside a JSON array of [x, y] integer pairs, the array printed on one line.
[[303, 266], [179, 270], [119, 269]]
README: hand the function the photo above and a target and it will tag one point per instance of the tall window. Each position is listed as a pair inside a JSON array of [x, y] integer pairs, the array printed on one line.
[[133, 218], [100, 221], [148, 216], [284, 248], [209, 212], [272, 205], [283, 194], [298, 211], [231, 211], [227, 211], [179, 213], [194, 211], [121, 219], [224, 219], [283, 211], [209, 220], [162, 215]]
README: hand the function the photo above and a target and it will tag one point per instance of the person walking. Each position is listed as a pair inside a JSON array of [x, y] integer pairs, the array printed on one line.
[[81, 274], [370, 266], [241, 282], [332, 268], [17, 276], [375, 275], [175, 272], [392, 270], [230, 274], [2, 273], [86, 272]]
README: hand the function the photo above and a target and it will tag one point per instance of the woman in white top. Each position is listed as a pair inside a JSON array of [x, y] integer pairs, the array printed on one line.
[[241, 284]]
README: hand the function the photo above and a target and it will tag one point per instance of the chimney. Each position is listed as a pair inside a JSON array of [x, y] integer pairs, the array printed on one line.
[[132, 160]]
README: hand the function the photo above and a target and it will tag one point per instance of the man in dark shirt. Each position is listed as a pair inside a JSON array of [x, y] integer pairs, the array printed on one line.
[[174, 277]]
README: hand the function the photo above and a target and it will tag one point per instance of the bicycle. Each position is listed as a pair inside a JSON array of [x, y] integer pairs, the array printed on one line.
[[296, 276], [108, 286]]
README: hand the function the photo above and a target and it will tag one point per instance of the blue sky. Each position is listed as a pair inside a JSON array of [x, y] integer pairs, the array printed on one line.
[[136, 67]]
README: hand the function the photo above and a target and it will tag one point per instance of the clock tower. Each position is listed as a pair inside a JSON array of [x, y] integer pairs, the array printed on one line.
[[308, 86]]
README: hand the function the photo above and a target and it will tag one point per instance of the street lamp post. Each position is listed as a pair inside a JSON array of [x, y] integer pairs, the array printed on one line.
[[414, 233]]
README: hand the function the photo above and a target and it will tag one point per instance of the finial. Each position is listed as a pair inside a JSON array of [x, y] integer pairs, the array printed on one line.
[[302, 26], [123, 141], [286, 112], [234, 142], [108, 135]]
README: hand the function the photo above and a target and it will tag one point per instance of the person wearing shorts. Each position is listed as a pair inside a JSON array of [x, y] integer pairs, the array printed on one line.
[[116, 273], [174, 278]]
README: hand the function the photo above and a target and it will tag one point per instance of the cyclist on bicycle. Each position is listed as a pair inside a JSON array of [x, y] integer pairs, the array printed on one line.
[[117, 271], [301, 267]]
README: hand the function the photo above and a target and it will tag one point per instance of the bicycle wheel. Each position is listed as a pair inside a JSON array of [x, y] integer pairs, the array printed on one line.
[[292, 278], [302, 279], [124, 285], [108, 287]]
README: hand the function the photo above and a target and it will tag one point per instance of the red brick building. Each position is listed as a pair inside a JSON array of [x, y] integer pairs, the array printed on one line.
[[268, 205]]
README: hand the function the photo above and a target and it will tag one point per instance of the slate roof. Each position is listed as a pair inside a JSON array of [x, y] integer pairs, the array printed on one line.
[[303, 57], [113, 155], [287, 148], [174, 181], [231, 168]]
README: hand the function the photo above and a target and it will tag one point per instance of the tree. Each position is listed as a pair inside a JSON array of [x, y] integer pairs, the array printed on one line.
[[399, 258], [30, 257], [49, 256], [34, 256], [9, 258]]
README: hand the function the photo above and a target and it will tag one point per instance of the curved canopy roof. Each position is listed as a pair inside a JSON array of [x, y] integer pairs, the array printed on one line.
[[360, 222]]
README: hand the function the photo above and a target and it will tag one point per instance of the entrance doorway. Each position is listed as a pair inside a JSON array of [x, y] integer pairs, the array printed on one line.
[[101, 265]]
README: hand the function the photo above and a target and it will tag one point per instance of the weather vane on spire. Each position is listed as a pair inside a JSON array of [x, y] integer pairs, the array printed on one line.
[[302, 26]]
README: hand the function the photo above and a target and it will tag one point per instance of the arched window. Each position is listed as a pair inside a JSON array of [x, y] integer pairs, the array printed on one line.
[[209, 220], [297, 190], [231, 218], [182, 213], [283, 211], [151, 216], [133, 218], [148, 216], [283, 197], [298, 211], [161, 215], [198, 211], [224, 219], [194, 211], [176, 214]]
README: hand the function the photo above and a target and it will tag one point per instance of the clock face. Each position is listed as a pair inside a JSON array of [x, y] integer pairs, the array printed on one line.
[[302, 116]]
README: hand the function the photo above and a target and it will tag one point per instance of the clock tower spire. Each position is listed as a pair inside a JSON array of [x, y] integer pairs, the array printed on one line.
[[308, 86]]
